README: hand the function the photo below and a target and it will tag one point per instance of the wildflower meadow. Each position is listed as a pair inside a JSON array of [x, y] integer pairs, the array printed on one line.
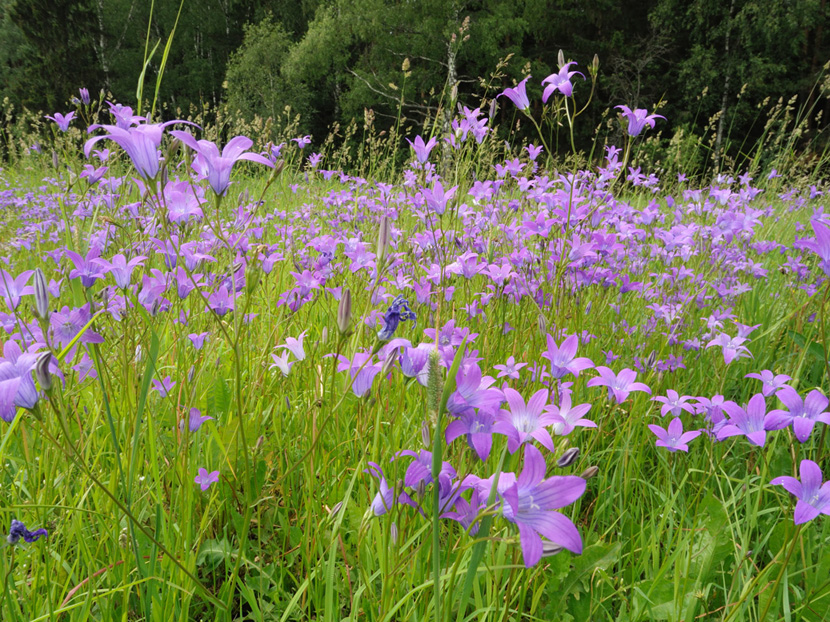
[[476, 377]]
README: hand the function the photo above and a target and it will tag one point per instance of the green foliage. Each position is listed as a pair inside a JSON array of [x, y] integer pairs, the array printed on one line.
[[255, 81]]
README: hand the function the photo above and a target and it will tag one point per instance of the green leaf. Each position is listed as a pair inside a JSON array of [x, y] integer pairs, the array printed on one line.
[[214, 552]]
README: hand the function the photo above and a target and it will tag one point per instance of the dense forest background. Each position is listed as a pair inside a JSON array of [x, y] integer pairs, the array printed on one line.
[[708, 62]]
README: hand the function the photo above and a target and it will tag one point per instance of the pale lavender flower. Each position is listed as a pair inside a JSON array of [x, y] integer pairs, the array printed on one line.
[[422, 149], [673, 403], [205, 479], [560, 81], [638, 119], [164, 386], [674, 439], [62, 121], [215, 166], [518, 94], [619, 385], [771, 382], [510, 369]]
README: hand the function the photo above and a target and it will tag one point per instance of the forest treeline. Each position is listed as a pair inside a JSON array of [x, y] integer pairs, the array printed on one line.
[[712, 65]]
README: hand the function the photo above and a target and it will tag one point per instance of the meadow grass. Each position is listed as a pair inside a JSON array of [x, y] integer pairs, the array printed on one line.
[[292, 529]]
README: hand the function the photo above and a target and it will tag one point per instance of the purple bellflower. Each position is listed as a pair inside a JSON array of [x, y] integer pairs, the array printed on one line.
[[422, 149], [141, 144], [562, 358], [62, 121], [12, 288], [619, 385], [560, 81], [531, 502], [638, 119], [205, 479], [803, 414], [525, 421], [813, 495], [674, 439], [821, 245], [771, 382], [518, 94], [752, 422], [217, 167]]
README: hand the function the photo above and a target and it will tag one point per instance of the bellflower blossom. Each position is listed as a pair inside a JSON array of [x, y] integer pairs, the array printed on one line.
[[638, 119], [62, 121], [813, 495], [215, 166], [422, 149], [141, 143], [560, 81], [518, 94], [531, 501]]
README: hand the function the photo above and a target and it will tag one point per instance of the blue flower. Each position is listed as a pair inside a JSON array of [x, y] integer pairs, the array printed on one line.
[[398, 311], [18, 530]]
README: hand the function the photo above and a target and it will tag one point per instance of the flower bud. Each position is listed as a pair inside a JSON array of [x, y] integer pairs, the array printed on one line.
[[383, 237], [389, 363], [42, 373], [337, 507], [568, 457], [542, 323], [344, 312], [590, 472], [595, 65], [494, 106], [425, 434], [55, 161], [393, 533], [550, 549], [41, 295], [421, 489], [560, 59]]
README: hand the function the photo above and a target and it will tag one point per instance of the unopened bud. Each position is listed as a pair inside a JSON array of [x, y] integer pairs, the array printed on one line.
[[595, 65], [344, 312], [425, 434], [542, 323], [259, 443], [590, 472], [549, 549], [337, 507], [324, 336], [54, 159], [493, 107], [560, 59], [384, 232], [41, 295], [42, 373], [568, 457], [421, 489], [389, 363], [393, 533]]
